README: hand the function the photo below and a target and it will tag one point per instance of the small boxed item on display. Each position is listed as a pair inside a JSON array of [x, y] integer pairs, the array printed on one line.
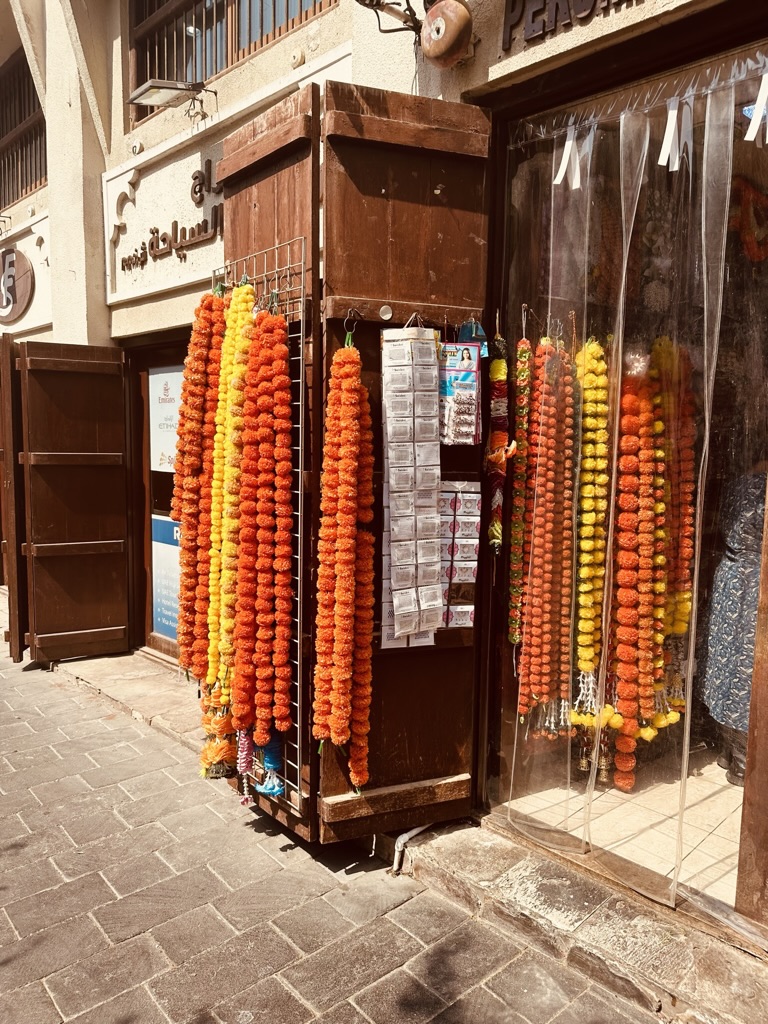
[[410, 415], [459, 550]]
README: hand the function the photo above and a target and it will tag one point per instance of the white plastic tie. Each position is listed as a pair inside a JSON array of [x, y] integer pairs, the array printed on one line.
[[759, 112], [569, 162], [670, 147]]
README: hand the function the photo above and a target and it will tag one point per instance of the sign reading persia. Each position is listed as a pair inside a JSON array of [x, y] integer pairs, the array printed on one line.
[[17, 285], [542, 18]]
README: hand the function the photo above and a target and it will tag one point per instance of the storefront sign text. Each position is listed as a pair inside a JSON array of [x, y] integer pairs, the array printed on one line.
[[17, 285], [542, 18], [179, 240]]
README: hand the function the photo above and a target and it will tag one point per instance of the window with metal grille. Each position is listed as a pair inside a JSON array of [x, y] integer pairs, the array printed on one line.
[[23, 164], [193, 40]]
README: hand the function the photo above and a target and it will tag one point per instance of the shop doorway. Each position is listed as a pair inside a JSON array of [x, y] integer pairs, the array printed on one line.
[[625, 710], [155, 375]]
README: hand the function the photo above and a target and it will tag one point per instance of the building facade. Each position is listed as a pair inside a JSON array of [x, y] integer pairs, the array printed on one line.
[[597, 160]]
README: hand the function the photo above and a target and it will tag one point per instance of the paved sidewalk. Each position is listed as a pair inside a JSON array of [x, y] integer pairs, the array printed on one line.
[[135, 892]]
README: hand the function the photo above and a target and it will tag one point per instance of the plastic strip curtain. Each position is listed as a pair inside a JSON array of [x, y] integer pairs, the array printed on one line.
[[617, 229]]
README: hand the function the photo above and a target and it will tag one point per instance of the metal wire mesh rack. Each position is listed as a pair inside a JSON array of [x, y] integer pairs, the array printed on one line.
[[278, 276]]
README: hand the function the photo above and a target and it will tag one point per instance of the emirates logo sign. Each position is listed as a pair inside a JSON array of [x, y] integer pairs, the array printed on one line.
[[17, 285]]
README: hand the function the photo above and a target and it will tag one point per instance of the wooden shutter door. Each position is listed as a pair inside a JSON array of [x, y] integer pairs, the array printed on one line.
[[74, 458], [12, 498], [406, 227]]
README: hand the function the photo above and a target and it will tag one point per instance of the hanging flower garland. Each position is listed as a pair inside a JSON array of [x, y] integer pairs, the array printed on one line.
[[230, 512], [220, 749], [673, 366], [532, 651], [244, 634], [345, 581], [346, 535], [565, 548], [633, 630], [592, 372], [519, 475], [362, 675], [326, 555], [188, 471], [265, 522], [498, 449], [200, 644], [284, 512]]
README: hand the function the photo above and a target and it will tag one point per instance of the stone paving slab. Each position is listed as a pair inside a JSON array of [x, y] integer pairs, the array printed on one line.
[[652, 959], [134, 892]]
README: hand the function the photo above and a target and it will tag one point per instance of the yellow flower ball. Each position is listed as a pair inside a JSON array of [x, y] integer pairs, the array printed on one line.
[[616, 721]]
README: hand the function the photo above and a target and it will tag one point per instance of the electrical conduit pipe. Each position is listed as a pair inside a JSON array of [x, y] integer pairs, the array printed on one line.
[[400, 844]]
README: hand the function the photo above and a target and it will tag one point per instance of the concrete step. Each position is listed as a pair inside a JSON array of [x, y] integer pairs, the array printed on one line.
[[649, 955]]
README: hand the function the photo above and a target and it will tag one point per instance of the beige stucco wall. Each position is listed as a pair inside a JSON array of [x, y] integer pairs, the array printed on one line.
[[105, 175]]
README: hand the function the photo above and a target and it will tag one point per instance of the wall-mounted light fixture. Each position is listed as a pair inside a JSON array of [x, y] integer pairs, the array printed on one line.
[[160, 93]]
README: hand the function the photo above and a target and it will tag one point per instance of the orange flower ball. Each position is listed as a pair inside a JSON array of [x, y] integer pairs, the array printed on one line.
[[625, 781]]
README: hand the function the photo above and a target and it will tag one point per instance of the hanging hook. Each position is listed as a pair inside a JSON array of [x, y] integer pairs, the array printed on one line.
[[572, 317], [525, 319], [350, 316]]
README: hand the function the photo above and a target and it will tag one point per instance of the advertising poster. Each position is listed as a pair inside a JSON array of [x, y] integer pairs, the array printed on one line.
[[460, 393], [164, 403], [165, 576]]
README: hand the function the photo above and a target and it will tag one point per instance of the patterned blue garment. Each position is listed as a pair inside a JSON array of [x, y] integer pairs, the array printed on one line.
[[730, 639]]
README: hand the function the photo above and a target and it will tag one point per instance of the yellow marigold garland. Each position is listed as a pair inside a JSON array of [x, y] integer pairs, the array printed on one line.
[[592, 373], [220, 747], [242, 302]]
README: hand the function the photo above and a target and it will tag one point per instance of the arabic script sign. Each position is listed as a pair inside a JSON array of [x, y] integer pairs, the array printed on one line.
[[180, 239], [17, 285], [542, 18]]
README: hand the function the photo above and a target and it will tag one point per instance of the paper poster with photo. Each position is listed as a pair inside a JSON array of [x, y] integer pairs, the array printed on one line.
[[460, 392]]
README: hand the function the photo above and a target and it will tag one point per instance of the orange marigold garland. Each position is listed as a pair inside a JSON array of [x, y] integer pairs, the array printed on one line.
[[548, 545], [346, 538], [284, 512], [244, 636], [265, 523], [326, 554], [200, 644], [345, 579], [640, 508], [533, 571], [364, 602], [188, 471]]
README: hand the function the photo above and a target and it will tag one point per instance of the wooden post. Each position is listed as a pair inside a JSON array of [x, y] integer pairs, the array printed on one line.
[[751, 898]]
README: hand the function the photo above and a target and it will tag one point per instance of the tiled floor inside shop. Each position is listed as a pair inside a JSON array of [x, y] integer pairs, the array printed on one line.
[[639, 830]]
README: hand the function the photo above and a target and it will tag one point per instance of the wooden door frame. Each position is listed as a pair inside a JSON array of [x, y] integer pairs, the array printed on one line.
[[142, 354], [707, 33]]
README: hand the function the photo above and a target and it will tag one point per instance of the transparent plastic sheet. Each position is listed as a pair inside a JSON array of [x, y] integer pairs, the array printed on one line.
[[689, 304], [543, 758], [724, 72]]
